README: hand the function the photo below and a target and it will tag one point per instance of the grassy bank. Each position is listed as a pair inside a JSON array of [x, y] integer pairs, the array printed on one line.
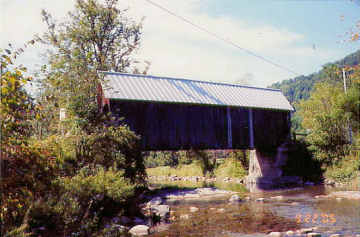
[[231, 167], [346, 171], [159, 185], [193, 169]]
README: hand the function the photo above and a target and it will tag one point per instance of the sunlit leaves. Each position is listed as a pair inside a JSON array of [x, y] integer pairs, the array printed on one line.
[[329, 111]]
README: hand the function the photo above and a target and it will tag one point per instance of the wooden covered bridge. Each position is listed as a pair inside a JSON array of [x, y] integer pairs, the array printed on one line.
[[174, 114]]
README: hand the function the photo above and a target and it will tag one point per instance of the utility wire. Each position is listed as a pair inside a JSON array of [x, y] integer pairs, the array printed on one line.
[[223, 39]]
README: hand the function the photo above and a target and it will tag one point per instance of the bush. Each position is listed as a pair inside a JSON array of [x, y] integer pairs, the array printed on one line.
[[161, 158], [231, 167], [112, 146], [193, 169], [345, 171], [27, 175], [92, 195]]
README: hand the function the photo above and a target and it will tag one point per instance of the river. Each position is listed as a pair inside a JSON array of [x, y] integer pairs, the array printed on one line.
[[264, 212]]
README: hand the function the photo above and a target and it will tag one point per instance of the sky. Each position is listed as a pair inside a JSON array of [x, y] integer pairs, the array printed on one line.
[[299, 35]]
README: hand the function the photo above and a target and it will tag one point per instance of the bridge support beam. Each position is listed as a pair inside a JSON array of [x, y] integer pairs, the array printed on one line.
[[266, 170]]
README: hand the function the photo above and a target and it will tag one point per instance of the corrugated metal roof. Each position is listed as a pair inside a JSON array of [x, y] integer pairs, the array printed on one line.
[[174, 90]]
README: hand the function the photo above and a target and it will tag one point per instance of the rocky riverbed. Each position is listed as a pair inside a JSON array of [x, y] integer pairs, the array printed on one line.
[[214, 212]]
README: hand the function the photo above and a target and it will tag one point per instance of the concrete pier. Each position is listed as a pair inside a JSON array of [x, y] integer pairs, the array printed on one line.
[[266, 170]]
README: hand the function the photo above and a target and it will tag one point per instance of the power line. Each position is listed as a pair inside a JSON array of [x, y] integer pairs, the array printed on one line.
[[223, 39]]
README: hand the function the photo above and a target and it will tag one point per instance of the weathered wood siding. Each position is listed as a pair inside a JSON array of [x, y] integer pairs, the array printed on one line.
[[271, 128], [171, 126]]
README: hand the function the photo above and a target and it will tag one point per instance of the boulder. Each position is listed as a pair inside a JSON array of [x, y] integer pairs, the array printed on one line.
[[275, 234], [139, 230], [184, 217], [163, 211], [155, 201], [194, 209], [277, 198], [306, 230], [313, 235], [221, 210], [235, 198]]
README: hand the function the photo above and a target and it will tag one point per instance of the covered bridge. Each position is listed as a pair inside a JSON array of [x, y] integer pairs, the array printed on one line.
[[172, 113]]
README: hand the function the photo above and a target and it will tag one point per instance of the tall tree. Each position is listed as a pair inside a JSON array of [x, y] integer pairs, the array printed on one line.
[[96, 36], [323, 116]]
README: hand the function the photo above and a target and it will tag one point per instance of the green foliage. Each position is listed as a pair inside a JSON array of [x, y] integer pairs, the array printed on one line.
[[90, 196], [232, 167], [299, 88], [351, 105], [18, 232], [326, 120], [16, 105], [344, 171], [26, 171], [161, 158], [98, 183], [206, 160], [184, 158], [96, 36], [203, 163], [111, 146], [66, 176], [193, 169]]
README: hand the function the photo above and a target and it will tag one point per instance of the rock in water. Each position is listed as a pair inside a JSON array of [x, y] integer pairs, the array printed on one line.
[[277, 198], [275, 234], [260, 199], [155, 201], [235, 198], [163, 211], [184, 217], [313, 235], [194, 209], [221, 210], [139, 230]]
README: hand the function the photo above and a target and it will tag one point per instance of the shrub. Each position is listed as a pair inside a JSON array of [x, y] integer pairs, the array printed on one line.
[[108, 146], [161, 158], [231, 167], [193, 169], [345, 170]]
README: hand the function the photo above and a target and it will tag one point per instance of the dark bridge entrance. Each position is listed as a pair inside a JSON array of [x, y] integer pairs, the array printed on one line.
[[174, 114]]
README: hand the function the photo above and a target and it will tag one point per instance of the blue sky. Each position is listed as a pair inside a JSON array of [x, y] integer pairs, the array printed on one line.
[[302, 35], [320, 20]]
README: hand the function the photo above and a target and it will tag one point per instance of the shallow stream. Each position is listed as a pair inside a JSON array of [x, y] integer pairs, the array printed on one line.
[[278, 211]]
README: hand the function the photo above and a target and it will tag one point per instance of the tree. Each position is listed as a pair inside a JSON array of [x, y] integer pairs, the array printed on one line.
[[96, 37], [323, 115], [25, 172]]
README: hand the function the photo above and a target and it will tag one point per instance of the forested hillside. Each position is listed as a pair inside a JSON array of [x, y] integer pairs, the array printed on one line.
[[299, 87]]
